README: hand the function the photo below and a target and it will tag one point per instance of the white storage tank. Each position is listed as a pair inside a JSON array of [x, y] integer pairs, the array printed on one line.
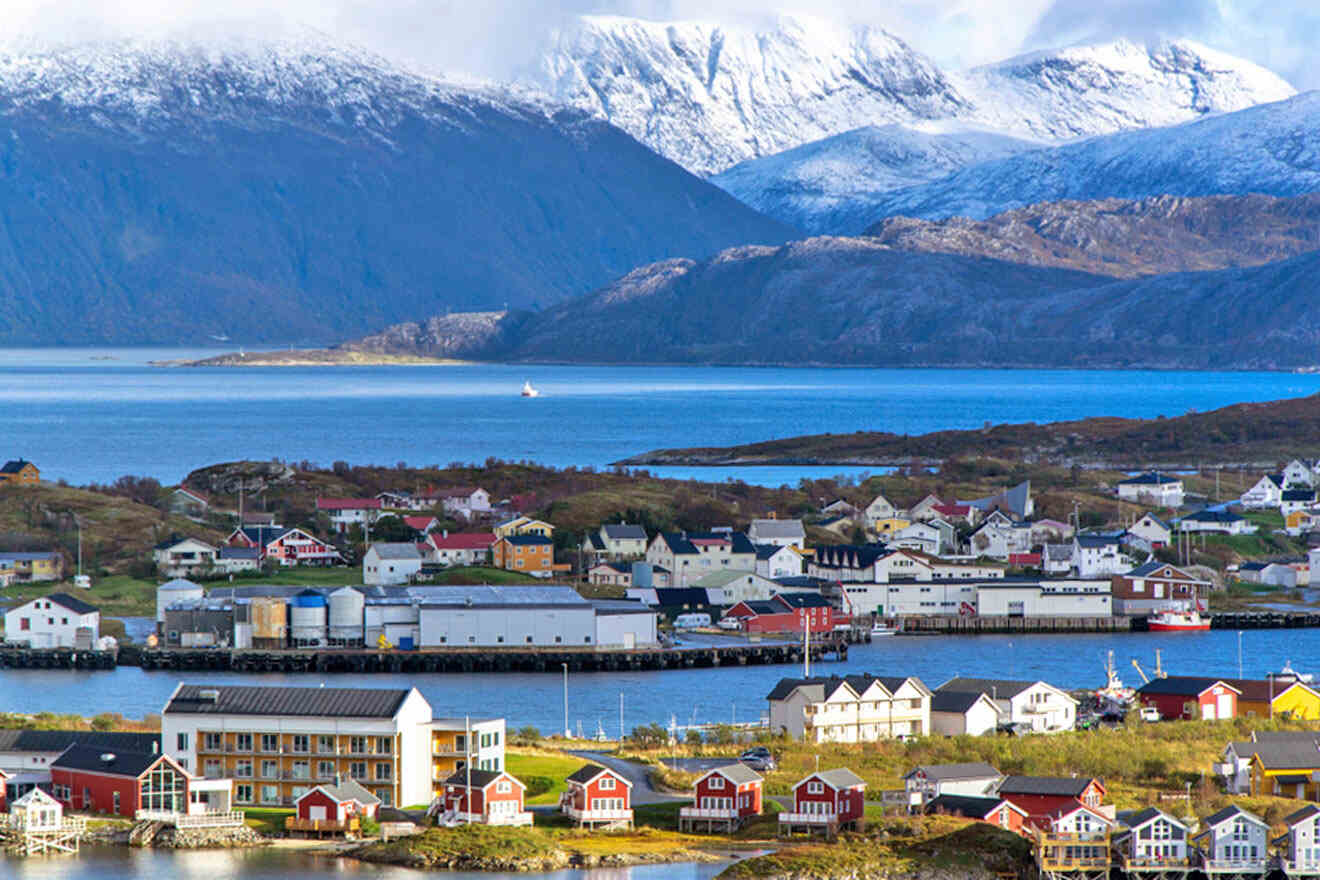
[[307, 619], [346, 607], [173, 591]]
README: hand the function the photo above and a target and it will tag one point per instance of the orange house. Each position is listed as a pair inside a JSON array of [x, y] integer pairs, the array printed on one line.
[[20, 471], [531, 554]]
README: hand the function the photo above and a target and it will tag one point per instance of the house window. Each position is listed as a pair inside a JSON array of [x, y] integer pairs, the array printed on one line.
[[325, 769], [716, 782], [243, 793], [211, 742], [815, 788], [243, 768], [270, 794], [270, 742], [384, 772], [181, 741], [325, 745], [357, 745], [358, 769], [384, 745], [302, 770], [503, 786], [302, 743], [243, 742], [607, 784], [270, 770]]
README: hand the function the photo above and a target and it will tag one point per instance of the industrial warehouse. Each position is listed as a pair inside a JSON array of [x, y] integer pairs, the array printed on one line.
[[396, 617]]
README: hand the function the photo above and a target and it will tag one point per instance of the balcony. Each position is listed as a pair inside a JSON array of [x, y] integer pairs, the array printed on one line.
[[598, 815], [226, 819], [351, 825], [1258, 865], [821, 819], [703, 813]]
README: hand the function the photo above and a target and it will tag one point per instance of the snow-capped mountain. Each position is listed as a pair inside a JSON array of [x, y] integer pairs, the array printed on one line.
[[293, 189], [832, 185], [709, 96], [1272, 149]]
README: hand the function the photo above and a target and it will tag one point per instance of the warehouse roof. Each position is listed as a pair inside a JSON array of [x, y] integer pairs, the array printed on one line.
[[499, 596], [59, 740], [305, 701]]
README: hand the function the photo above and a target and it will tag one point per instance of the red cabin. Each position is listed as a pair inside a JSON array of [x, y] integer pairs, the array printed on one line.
[[1038, 795], [827, 800], [992, 810], [1191, 698], [598, 797], [333, 808], [85, 778], [723, 799], [486, 796], [787, 613]]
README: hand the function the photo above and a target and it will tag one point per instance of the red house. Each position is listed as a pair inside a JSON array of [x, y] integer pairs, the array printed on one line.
[[1038, 795], [597, 797], [495, 798], [96, 781], [337, 808], [787, 613], [993, 810], [723, 799], [1191, 698], [827, 801], [285, 546]]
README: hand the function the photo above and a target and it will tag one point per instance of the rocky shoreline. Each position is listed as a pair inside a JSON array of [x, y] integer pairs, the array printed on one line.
[[180, 838], [557, 860]]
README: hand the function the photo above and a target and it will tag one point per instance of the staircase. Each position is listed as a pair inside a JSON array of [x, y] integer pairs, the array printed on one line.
[[144, 833]]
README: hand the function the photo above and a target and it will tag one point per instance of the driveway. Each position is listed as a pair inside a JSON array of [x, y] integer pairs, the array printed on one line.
[[638, 774]]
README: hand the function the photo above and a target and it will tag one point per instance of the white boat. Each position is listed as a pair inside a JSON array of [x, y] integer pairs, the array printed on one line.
[[529, 391], [879, 628], [1288, 674], [1174, 620]]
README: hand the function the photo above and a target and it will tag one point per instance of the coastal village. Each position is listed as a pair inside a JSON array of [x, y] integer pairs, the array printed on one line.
[[834, 757]]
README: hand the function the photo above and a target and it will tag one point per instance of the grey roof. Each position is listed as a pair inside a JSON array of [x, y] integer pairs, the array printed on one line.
[[179, 584], [596, 541], [1213, 516], [397, 550], [1148, 568], [1061, 786], [802, 600], [624, 532], [1096, 540], [998, 688], [621, 606], [59, 740], [527, 540], [1150, 479], [77, 606], [1284, 736], [1298, 495], [941, 772], [1305, 812], [839, 778], [778, 528], [954, 701], [1182, 685], [818, 687], [1013, 500], [964, 805], [28, 556], [1231, 812], [765, 551], [350, 790], [588, 772], [238, 553], [738, 774], [279, 700], [13, 466], [1058, 551], [1141, 817], [1305, 754], [119, 763], [499, 596]]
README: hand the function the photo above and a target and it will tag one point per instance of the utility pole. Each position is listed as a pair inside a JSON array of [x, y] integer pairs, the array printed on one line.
[[567, 733]]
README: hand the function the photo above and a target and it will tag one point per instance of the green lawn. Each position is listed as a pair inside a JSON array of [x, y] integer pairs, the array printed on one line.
[[267, 820], [116, 596], [525, 765], [482, 574]]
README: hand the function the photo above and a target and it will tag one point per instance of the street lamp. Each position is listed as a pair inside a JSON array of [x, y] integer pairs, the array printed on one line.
[[567, 733], [1239, 653]]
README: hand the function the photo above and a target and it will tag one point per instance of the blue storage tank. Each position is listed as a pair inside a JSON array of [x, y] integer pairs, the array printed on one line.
[[307, 619], [308, 598], [405, 643]]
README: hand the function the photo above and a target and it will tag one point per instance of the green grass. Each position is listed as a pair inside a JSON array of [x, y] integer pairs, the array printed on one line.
[[266, 820], [557, 767], [662, 816], [116, 596], [484, 574]]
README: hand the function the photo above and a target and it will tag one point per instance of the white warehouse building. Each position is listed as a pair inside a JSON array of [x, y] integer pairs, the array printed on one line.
[[516, 615], [1045, 598]]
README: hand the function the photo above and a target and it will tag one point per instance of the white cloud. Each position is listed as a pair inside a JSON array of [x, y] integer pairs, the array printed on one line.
[[495, 37]]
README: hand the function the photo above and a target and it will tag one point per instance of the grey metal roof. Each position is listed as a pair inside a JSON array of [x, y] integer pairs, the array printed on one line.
[[59, 740], [1141, 817], [396, 550], [278, 700], [227, 552], [1096, 540], [1299, 755], [624, 532], [738, 774], [972, 770], [1150, 479], [1231, 812], [77, 606], [588, 772], [527, 540], [954, 701], [778, 528], [1182, 685], [966, 806], [998, 688], [349, 790], [839, 778], [1061, 786], [478, 778], [119, 763], [178, 584], [620, 606], [499, 596], [1304, 813]]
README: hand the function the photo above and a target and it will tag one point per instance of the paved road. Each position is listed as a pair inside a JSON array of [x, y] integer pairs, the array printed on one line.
[[637, 774]]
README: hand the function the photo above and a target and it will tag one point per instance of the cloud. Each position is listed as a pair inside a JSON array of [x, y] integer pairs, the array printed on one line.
[[495, 38]]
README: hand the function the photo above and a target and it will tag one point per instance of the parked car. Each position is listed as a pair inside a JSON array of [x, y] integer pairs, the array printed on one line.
[[1150, 713], [758, 758], [730, 623]]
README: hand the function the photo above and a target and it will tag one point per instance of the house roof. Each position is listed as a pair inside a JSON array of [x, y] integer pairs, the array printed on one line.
[[238, 553], [1213, 516], [965, 805], [1058, 552], [396, 550], [849, 555], [348, 504], [1096, 540], [803, 600], [1298, 495], [453, 492], [999, 688], [1151, 478], [1141, 817], [420, 523], [950, 772], [624, 532], [838, 778], [1055, 786], [765, 551], [60, 740], [480, 778], [463, 541], [584, 774], [1230, 812], [675, 597], [723, 577], [1014, 500], [1261, 690], [761, 606], [273, 700], [527, 540], [1286, 755], [77, 606], [954, 701], [98, 760], [346, 790], [737, 773], [1146, 569], [28, 556], [498, 596], [15, 465], [778, 528], [200, 496], [1304, 813], [1181, 685]]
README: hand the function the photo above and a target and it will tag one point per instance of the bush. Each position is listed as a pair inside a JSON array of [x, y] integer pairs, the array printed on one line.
[[370, 827], [537, 785], [649, 735], [527, 736]]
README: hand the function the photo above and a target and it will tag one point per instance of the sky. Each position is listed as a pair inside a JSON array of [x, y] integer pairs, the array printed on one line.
[[496, 38]]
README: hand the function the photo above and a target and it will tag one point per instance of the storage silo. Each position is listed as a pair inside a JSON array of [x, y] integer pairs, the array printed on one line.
[[346, 608], [270, 620], [173, 591], [307, 619]]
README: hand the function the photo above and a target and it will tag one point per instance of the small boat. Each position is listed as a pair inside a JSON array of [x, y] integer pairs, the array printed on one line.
[[879, 628], [1288, 674], [529, 391], [1171, 620]]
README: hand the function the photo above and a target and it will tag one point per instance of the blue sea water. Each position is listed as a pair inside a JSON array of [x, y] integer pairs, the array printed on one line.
[[96, 414]]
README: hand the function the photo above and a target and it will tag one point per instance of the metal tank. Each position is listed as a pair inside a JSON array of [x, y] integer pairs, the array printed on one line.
[[269, 618], [173, 591], [346, 609], [307, 619]]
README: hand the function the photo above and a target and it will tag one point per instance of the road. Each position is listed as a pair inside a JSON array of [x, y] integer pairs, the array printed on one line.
[[638, 774]]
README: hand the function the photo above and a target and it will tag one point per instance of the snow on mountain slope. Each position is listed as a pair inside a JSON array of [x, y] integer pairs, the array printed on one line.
[[1273, 149], [831, 186], [1088, 90], [709, 96]]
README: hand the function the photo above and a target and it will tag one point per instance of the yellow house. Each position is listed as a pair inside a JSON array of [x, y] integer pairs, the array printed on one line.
[[524, 525], [42, 566], [1274, 699], [889, 525], [21, 472], [1285, 769]]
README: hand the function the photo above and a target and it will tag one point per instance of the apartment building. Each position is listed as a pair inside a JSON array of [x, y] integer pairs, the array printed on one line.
[[457, 741], [279, 742], [852, 708]]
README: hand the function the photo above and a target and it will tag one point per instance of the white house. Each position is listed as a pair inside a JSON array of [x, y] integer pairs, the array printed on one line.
[[54, 621], [959, 713], [1154, 488], [1266, 493], [1149, 533], [1045, 597], [183, 557], [877, 510], [1041, 706], [737, 586], [1096, 555], [927, 782], [926, 508], [1218, 521], [1234, 839], [615, 542], [1057, 559], [776, 561], [464, 501], [391, 563], [1153, 836], [346, 512], [1301, 854], [1297, 475], [854, 708], [923, 536], [784, 532], [999, 537]]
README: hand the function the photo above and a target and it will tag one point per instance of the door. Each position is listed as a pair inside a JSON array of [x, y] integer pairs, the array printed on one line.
[[1225, 708], [1208, 711], [316, 814]]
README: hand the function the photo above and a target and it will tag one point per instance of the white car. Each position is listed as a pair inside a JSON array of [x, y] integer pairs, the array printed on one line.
[[730, 623]]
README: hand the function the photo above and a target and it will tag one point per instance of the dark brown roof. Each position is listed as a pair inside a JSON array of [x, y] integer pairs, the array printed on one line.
[[305, 701]]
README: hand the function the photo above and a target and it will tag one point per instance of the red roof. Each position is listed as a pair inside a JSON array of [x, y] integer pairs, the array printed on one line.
[[953, 509], [200, 496], [1024, 559], [420, 523], [463, 541], [457, 492], [348, 504]]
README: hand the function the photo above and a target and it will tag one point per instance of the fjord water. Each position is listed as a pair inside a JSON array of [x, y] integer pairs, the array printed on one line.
[[89, 415]]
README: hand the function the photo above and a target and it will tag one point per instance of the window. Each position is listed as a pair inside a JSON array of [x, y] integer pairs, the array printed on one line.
[[384, 745], [243, 768], [243, 793], [385, 795], [503, 786], [181, 742], [358, 770], [607, 784], [212, 769], [163, 789], [302, 770], [325, 744], [270, 742], [325, 769], [716, 782], [270, 794], [116, 801], [211, 742], [815, 788], [357, 745], [302, 742], [384, 772], [25, 623], [270, 770], [243, 742]]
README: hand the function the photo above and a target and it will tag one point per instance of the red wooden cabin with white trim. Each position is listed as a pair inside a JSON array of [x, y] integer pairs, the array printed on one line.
[[598, 797], [489, 797], [338, 808], [723, 799], [827, 800]]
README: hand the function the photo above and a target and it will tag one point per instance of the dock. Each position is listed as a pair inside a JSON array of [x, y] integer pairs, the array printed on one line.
[[973, 625]]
